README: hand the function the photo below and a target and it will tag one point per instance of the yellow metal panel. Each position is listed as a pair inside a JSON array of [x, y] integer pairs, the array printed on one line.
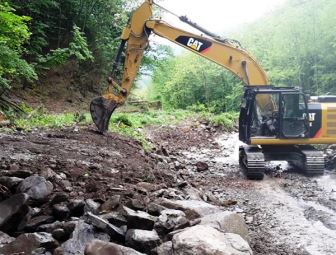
[[274, 141]]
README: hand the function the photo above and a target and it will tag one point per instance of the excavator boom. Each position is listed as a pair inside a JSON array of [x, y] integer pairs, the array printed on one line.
[[136, 35]]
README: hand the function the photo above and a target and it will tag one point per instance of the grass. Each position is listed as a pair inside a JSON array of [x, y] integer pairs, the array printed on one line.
[[131, 124], [127, 124], [227, 120]]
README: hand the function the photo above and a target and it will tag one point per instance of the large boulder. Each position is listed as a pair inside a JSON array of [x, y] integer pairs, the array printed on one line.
[[228, 222], [37, 187], [192, 208], [97, 247], [142, 240], [83, 234], [205, 240], [12, 210], [27, 243]]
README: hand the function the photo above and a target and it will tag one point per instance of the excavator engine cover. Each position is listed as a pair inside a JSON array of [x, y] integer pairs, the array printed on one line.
[[101, 110]]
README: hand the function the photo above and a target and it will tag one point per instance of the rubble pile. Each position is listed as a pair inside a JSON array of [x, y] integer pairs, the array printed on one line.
[[35, 220], [76, 192]]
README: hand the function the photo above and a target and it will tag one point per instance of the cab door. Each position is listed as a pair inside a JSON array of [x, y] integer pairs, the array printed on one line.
[[295, 117], [245, 117]]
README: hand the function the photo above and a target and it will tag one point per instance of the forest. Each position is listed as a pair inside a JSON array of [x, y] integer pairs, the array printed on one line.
[[294, 44]]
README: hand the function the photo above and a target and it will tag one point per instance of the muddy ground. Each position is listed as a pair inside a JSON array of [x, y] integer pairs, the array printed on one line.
[[287, 213]]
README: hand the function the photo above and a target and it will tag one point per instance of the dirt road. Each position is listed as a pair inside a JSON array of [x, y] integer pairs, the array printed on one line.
[[287, 213]]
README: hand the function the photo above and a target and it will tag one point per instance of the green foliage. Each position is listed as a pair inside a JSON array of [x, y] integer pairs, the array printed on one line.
[[79, 47], [78, 50], [13, 34], [122, 119], [296, 45], [190, 82], [41, 119], [58, 28], [226, 120]]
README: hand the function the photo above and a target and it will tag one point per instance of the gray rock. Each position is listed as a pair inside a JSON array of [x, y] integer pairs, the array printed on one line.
[[155, 209], [110, 204], [114, 232], [60, 211], [142, 240], [136, 204], [37, 187], [39, 251], [35, 222], [138, 219], [69, 227], [82, 235], [165, 249], [49, 228], [76, 207], [97, 247], [27, 243], [10, 208], [59, 198], [193, 193], [20, 173], [10, 182], [5, 239], [116, 218], [170, 220], [192, 208], [205, 240], [91, 206], [48, 173], [202, 166], [228, 222], [59, 234]]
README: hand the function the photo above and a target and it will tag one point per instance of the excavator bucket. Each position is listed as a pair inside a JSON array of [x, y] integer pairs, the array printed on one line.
[[101, 110]]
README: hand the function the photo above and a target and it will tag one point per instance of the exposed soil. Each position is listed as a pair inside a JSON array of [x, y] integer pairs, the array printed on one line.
[[97, 166], [287, 213]]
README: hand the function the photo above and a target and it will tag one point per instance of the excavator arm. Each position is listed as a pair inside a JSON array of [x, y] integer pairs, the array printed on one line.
[[136, 35]]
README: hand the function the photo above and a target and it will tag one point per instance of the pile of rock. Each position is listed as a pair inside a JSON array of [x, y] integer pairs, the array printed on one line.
[[34, 219]]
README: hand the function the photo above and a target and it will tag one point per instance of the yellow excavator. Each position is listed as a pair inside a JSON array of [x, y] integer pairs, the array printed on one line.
[[275, 123]]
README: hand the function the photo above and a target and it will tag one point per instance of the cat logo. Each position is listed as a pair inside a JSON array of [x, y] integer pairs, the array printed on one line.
[[197, 44], [194, 44]]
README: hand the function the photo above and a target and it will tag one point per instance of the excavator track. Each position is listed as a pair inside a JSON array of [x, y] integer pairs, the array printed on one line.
[[314, 163], [252, 162]]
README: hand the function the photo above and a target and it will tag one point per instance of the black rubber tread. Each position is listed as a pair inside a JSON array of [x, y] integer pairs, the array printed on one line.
[[315, 162], [252, 162]]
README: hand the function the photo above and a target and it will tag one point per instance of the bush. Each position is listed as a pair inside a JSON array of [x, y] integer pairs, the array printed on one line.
[[226, 119], [122, 119]]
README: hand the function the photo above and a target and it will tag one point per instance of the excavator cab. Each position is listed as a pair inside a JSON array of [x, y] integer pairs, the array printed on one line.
[[273, 113]]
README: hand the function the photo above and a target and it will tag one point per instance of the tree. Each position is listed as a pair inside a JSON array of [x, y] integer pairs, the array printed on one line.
[[13, 34]]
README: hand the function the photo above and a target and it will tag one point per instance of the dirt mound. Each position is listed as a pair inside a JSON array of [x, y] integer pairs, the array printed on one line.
[[93, 166], [190, 133]]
